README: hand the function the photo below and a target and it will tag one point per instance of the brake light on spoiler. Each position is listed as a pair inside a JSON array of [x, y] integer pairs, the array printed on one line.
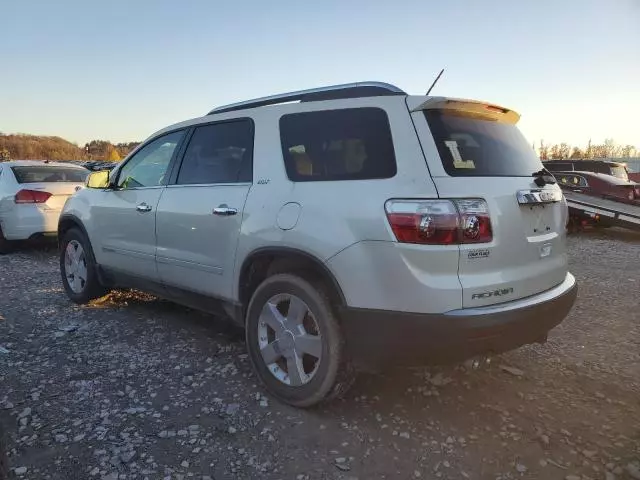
[[440, 222], [31, 196]]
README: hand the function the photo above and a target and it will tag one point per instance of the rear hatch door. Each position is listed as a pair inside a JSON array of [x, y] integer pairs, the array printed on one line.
[[475, 150]]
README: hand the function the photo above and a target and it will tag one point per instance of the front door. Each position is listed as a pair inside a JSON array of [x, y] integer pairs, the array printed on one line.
[[124, 238], [200, 215]]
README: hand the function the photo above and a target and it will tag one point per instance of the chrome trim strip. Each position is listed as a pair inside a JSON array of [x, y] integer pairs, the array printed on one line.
[[120, 189], [130, 253], [299, 95], [201, 185], [557, 291], [186, 264], [537, 196]]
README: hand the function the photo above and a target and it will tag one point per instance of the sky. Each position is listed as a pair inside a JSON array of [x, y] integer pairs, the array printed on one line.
[[119, 70]]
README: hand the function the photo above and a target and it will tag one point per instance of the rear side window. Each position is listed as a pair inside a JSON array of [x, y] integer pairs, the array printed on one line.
[[348, 144], [44, 174], [476, 147], [219, 153]]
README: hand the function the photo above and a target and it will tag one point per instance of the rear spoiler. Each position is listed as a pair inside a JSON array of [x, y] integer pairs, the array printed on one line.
[[471, 107]]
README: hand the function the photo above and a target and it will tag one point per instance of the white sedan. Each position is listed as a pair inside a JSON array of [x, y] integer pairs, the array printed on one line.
[[32, 194]]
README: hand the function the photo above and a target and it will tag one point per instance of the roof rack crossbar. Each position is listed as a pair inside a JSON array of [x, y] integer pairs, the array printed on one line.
[[347, 90]]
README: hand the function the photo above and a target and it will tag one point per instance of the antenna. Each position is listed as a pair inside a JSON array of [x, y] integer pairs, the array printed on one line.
[[435, 81]]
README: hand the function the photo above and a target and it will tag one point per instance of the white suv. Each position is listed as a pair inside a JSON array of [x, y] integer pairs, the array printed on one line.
[[358, 224]]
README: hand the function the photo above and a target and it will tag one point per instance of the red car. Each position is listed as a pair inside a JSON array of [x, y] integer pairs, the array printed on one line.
[[600, 185]]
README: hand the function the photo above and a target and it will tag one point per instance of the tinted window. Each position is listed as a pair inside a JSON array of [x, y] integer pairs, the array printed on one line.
[[219, 153], [52, 174], [148, 167], [558, 166], [571, 180], [349, 144], [475, 147]]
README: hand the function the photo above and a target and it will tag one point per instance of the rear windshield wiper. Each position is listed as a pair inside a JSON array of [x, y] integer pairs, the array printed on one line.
[[543, 177]]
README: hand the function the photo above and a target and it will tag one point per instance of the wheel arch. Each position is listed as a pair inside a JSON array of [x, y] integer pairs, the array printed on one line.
[[66, 223], [263, 262]]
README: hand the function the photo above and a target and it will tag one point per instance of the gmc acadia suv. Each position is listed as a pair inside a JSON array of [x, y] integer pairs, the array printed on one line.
[[340, 226]]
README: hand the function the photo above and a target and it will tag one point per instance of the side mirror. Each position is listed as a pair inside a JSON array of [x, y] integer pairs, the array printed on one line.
[[99, 179]]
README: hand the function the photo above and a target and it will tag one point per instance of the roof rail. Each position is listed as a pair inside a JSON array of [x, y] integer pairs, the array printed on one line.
[[347, 90]]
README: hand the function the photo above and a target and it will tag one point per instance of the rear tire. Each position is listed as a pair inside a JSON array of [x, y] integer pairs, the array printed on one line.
[[298, 354], [78, 268]]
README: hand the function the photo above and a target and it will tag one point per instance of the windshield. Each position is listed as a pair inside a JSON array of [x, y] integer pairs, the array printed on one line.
[[620, 172], [49, 174], [476, 147]]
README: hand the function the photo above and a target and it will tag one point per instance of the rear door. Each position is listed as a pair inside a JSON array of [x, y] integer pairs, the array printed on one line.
[[201, 211], [474, 150]]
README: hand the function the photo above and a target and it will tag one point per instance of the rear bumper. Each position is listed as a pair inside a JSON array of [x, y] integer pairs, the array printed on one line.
[[28, 221], [375, 336]]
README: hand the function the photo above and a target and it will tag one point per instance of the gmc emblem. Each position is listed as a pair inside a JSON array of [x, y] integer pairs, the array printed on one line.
[[495, 293]]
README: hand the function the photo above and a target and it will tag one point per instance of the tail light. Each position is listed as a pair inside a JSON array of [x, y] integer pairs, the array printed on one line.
[[631, 193], [440, 222], [31, 196], [565, 210]]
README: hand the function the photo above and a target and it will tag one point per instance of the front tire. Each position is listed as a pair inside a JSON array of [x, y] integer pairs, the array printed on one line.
[[295, 342], [78, 268]]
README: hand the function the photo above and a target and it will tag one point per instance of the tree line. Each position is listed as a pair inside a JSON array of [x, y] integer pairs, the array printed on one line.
[[36, 147], [608, 149]]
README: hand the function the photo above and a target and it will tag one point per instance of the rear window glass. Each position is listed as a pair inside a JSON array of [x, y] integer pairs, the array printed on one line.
[[620, 172], [476, 147], [558, 166], [43, 174], [348, 144], [572, 180]]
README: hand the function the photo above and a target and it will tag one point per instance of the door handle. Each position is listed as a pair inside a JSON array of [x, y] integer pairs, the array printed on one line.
[[224, 210], [143, 207]]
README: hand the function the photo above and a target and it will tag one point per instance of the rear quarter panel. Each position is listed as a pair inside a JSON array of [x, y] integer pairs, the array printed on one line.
[[330, 216]]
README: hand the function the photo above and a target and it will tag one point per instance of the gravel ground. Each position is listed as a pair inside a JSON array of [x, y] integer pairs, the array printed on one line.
[[134, 387]]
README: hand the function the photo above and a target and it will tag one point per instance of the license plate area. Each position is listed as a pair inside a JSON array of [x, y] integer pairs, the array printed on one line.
[[538, 218]]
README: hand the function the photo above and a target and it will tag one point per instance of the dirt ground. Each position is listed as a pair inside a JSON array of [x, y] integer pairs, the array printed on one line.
[[132, 387]]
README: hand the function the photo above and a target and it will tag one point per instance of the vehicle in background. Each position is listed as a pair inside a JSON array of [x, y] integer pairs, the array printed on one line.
[[340, 226], [633, 168], [32, 194], [96, 166], [92, 165], [615, 169], [599, 185]]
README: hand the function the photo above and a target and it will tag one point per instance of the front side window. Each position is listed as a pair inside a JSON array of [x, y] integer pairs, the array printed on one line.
[[148, 167], [219, 153], [348, 144], [476, 147]]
